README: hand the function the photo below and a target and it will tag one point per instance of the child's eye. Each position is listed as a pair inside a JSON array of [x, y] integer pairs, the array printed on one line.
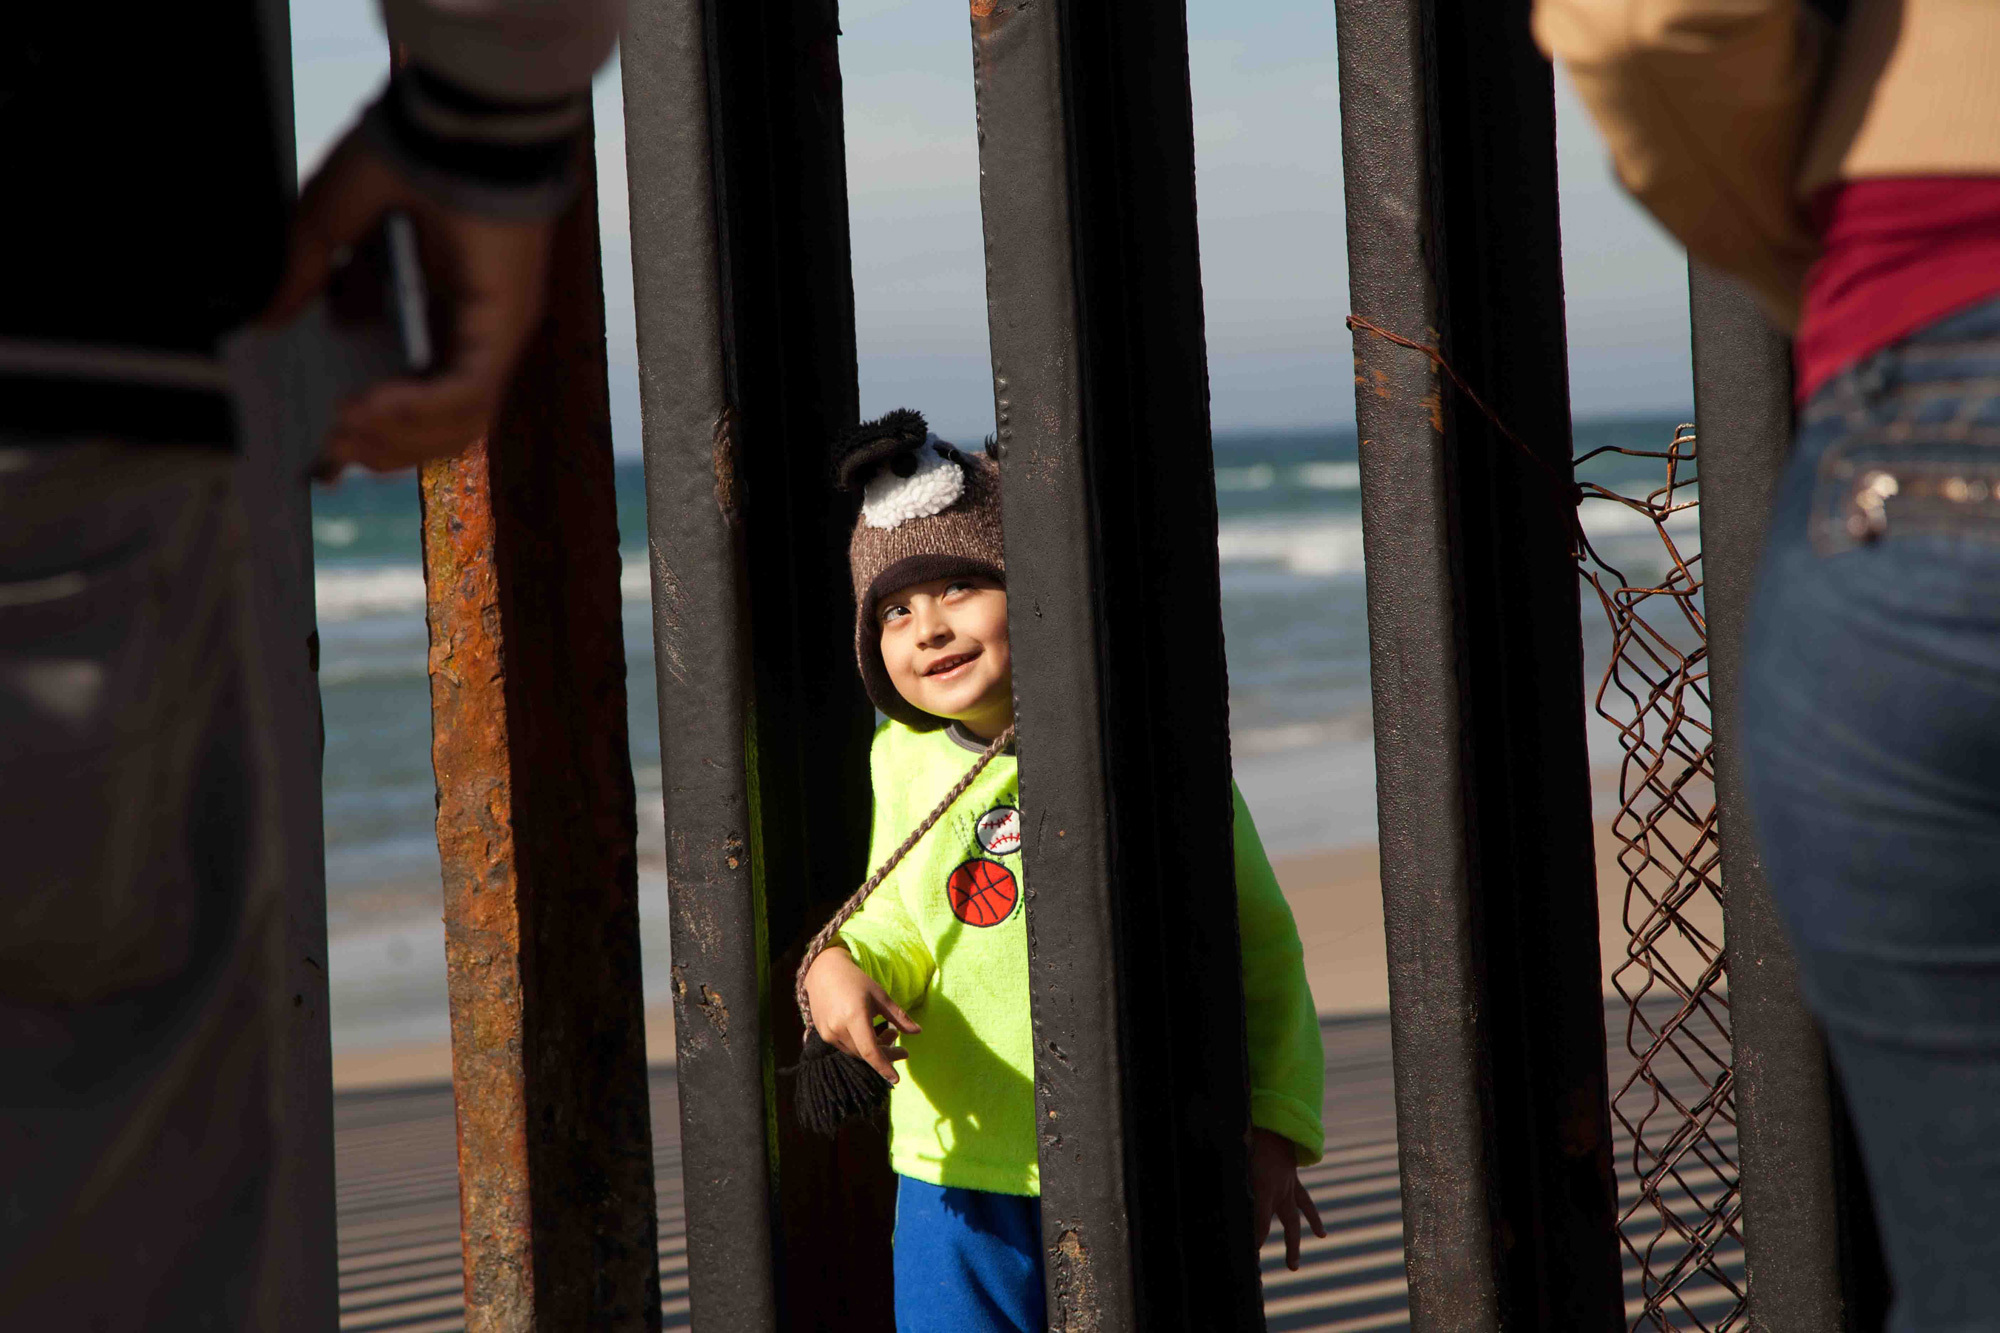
[[890, 613], [960, 585]]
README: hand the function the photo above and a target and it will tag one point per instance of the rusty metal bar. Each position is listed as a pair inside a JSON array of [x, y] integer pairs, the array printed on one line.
[[1100, 388], [535, 826], [747, 371], [1448, 136], [1811, 1257]]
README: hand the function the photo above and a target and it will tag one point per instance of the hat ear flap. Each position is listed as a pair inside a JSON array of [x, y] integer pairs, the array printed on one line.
[[861, 452]]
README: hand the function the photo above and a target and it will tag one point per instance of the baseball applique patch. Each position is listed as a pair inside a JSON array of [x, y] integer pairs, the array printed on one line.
[[982, 892], [999, 830]]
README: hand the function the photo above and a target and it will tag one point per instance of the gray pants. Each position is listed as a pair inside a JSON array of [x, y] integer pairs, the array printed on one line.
[[146, 1082]]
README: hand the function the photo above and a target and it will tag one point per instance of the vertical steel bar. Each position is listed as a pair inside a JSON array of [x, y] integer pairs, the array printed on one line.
[[535, 825], [1810, 1256], [1448, 133], [1100, 386], [279, 513], [747, 371], [701, 647]]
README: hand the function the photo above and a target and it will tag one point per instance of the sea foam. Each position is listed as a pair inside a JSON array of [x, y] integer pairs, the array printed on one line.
[[1312, 547], [358, 592]]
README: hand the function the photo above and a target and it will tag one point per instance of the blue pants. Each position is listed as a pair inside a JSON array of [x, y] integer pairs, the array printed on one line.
[[967, 1261], [1871, 739]]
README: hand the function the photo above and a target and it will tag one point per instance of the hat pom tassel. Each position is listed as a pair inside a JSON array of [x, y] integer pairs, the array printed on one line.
[[833, 1087]]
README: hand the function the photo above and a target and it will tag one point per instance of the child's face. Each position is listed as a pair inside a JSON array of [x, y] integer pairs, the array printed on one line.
[[945, 646]]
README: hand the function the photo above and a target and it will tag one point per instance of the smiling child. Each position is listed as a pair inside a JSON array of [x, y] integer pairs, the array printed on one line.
[[939, 949]]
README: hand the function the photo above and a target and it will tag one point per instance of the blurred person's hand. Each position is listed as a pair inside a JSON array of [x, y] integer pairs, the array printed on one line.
[[487, 279]]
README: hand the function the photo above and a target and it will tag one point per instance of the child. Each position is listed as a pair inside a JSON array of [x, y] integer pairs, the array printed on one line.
[[939, 949]]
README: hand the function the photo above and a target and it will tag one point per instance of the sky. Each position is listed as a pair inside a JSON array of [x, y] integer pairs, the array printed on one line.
[[1268, 185]]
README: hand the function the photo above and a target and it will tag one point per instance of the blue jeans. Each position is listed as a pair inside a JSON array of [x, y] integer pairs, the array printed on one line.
[[1871, 741], [967, 1261]]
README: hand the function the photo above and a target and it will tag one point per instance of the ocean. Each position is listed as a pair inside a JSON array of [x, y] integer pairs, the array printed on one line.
[[1294, 619]]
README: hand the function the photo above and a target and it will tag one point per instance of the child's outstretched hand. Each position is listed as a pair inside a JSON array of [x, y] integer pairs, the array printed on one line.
[[1275, 1190], [845, 1001]]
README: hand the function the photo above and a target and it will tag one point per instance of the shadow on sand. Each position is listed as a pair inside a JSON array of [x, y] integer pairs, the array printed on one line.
[[398, 1197]]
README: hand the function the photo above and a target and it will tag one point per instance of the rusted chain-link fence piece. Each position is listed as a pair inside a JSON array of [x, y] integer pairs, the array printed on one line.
[[1679, 1208]]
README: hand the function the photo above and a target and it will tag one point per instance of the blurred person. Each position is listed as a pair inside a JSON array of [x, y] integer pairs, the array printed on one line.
[[142, 885], [1846, 167]]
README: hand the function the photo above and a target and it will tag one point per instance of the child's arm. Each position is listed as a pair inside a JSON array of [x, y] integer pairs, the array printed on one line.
[[878, 964], [1287, 1061], [845, 1002]]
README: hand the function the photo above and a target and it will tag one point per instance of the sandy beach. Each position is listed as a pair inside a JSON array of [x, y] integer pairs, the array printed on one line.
[[1335, 896]]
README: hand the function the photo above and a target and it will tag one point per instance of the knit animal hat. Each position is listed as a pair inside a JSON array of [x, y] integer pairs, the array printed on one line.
[[928, 511]]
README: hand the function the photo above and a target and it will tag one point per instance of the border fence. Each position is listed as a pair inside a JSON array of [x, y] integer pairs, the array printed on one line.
[[1746, 1209], [1682, 1225]]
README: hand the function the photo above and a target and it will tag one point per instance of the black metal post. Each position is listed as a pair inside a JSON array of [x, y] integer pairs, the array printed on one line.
[[1100, 385], [1448, 132], [1810, 1254], [747, 371], [278, 509]]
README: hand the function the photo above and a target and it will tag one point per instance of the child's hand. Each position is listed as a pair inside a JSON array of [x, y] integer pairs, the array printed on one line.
[[1275, 1189], [845, 1001]]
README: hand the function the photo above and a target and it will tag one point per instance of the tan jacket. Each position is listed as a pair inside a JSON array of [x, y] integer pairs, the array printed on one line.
[[1725, 116]]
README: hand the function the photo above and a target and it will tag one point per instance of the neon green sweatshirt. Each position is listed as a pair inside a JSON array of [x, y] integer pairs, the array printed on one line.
[[945, 935]]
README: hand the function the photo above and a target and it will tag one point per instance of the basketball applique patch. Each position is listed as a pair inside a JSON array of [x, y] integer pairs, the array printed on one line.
[[981, 892], [999, 830]]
